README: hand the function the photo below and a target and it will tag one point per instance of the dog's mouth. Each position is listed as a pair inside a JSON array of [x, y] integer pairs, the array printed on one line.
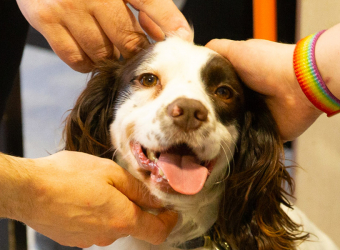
[[177, 167]]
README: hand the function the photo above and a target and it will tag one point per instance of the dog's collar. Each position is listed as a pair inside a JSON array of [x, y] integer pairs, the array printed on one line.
[[209, 241]]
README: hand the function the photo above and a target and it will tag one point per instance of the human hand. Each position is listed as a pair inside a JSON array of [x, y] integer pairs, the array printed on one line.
[[79, 200], [267, 68], [83, 32]]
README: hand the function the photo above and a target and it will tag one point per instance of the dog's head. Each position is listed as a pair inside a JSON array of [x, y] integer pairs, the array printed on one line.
[[178, 118]]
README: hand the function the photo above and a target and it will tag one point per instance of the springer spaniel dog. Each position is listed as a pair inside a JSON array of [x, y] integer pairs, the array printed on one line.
[[178, 118]]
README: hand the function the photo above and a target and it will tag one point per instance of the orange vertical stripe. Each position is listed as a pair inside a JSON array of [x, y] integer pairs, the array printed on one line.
[[265, 23]]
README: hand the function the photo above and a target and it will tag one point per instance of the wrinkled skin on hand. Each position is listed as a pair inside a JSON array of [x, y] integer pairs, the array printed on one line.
[[83, 32]]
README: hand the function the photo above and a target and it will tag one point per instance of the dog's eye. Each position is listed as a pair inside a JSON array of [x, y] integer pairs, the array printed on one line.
[[148, 80], [224, 92]]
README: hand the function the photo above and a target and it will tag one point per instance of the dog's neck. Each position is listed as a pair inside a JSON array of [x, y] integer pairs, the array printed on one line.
[[196, 220]]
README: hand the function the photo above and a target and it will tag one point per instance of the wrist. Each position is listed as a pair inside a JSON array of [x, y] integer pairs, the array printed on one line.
[[310, 78], [327, 52], [14, 186], [292, 110]]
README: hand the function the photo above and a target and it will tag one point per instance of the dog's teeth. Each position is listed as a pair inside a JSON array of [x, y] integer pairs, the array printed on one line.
[[151, 155], [161, 173]]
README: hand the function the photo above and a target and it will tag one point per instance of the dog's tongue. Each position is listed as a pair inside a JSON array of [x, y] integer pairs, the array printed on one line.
[[183, 172]]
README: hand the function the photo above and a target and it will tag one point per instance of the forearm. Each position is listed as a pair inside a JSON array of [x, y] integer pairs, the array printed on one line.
[[327, 56], [13, 187]]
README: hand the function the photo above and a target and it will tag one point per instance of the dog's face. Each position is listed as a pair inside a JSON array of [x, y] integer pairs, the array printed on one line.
[[179, 119], [176, 118]]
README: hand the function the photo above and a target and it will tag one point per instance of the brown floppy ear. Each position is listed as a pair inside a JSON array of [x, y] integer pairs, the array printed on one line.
[[87, 125], [251, 216]]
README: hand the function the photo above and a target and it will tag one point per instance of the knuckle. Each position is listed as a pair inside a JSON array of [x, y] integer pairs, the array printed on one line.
[[128, 221], [133, 44], [48, 13], [105, 242], [67, 5], [102, 53], [161, 236], [43, 17], [109, 165], [96, 49], [79, 63], [71, 55]]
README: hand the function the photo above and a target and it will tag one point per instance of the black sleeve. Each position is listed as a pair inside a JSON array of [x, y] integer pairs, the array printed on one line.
[[13, 32]]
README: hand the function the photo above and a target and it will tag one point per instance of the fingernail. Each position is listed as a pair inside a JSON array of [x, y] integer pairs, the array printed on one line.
[[185, 34]]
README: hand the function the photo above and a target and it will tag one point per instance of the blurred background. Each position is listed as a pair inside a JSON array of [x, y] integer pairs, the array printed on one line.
[[48, 88]]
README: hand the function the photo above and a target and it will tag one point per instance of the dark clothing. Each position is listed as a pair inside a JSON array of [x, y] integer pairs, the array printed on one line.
[[13, 32], [231, 19]]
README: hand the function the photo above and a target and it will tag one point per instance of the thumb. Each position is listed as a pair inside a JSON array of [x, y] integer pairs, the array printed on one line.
[[154, 228], [235, 51], [133, 188], [165, 15], [221, 46], [144, 225], [254, 61], [239, 53]]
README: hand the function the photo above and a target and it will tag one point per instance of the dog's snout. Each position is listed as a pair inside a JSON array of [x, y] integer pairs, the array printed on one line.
[[188, 114]]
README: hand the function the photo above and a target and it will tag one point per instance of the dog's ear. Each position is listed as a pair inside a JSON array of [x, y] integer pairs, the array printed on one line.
[[251, 215], [87, 125]]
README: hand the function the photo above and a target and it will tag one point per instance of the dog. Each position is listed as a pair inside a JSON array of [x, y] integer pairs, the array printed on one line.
[[178, 118]]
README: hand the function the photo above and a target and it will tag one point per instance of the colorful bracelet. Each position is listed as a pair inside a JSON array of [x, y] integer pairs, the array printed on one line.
[[309, 77]]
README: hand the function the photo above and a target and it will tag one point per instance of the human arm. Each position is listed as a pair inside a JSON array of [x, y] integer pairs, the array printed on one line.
[[267, 68], [83, 32], [79, 200]]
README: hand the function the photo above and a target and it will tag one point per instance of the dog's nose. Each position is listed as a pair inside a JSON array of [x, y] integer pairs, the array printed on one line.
[[188, 114]]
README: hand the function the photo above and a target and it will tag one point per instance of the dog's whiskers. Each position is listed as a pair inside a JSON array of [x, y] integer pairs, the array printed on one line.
[[114, 154], [226, 176]]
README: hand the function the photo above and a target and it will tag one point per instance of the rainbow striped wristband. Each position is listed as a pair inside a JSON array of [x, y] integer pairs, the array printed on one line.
[[309, 77]]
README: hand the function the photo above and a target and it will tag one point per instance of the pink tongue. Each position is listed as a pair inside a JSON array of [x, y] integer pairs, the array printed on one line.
[[184, 174]]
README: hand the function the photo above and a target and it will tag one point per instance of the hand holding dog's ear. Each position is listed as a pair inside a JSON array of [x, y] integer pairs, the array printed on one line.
[[83, 32], [80, 200], [267, 68]]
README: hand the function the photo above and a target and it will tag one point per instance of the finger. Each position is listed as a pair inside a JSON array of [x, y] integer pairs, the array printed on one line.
[[221, 46], [67, 48], [255, 61], [158, 226], [150, 27], [123, 30], [243, 57], [166, 15], [90, 37], [134, 189]]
